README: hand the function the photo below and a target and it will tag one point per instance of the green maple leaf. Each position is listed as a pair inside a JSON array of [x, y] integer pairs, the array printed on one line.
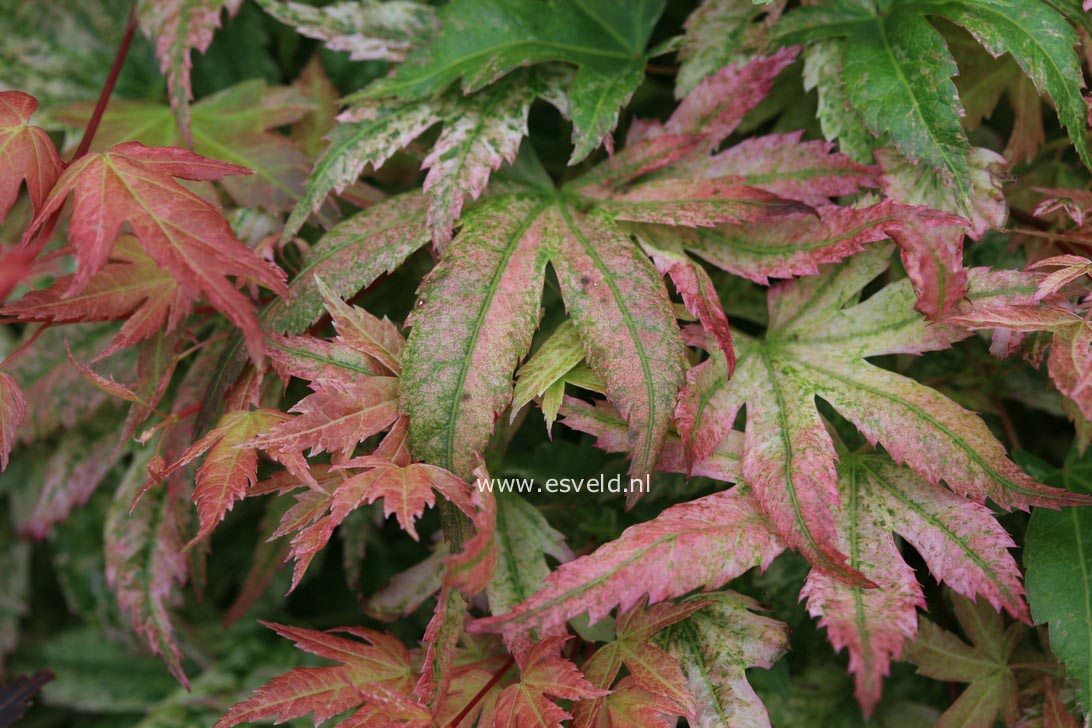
[[983, 664], [898, 70], [1059, 572], [234, 125], [481, 40]]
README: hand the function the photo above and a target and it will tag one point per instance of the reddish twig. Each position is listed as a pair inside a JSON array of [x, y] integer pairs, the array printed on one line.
[[108, 87], [481, 693], [46, 231]]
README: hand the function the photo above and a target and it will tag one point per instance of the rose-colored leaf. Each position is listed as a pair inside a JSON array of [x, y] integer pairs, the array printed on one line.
[[181, 232], [131, 287], [697, 545], [374, 671], [406, 491], [933, 258], [230, 467], [316, 359], [543, 674], [105, 383], [359, 330], [474, 321], [960, 541], [26, 153], [629, 704], [630, 337], [144, 560], [816, 345], [700, 297], [808, 171], [718, 104], [335, 417], [699, 203], [13, 408]]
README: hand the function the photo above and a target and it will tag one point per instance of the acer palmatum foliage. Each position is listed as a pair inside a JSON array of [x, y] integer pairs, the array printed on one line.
[[288, 305]]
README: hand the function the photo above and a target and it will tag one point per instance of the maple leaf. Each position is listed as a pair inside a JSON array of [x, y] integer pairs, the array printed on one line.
[[26, 151], [543, 674], [481, 40], [331, 495], [523, 539], [229, 468], [234, 125], [13, 408], [374, 671], [984, 664], [479, 306], [351, 256], [130, 286], [700, 544], [1058, 584], [181, 232], [451, 411], [480, 133], [650, 667], [1069, 268], [406, 491], [714, 646], [334, 418], [718, 33], [369, 30], [179, 27], [897, 70], [960, 541], [144, 561], [816, 345], [360, 331], [1069, 362]]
